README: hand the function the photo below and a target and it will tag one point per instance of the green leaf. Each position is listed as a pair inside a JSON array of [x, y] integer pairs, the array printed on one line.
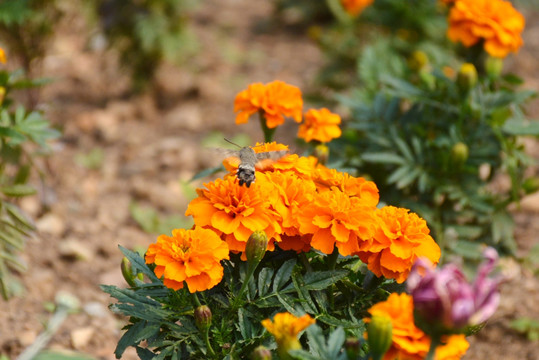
[[383, 158], [320, 280], [283, 275], [521, 127], [138, 263], [139, 331], [264, 281], [55, 355], [18, 190]]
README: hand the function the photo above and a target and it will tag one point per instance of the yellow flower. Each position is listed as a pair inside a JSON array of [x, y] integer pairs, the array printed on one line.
[[285, 327], [494, 21], [191, 256]]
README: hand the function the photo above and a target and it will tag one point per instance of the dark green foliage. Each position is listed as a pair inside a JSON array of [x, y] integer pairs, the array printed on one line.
[[164, 318], [23, 137], [146, 33]]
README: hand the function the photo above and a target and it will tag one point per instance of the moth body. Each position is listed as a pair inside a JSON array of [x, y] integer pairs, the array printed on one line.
[[248, 160]]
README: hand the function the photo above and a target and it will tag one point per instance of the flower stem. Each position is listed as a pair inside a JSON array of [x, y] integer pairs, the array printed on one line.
[[332, 262], [268, 133], [206, 335], [432, 350], [250, 271]]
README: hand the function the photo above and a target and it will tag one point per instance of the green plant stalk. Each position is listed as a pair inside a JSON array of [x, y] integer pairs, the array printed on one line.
[[250, 271], [332, 262], [206, 335], [268, 133], [337, 10], [433, 345]]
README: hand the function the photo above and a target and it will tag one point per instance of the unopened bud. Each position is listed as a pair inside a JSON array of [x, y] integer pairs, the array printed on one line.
[[321, 152], [494, 66], [203, 317], [418, 61], [467, 76], [459, 154], [2, 94], [261, 353], [127, 272], [380, 333], [256, 246], [531, 185], [352, 347]]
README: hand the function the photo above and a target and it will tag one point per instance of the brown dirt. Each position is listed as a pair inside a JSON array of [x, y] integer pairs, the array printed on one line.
[[150, 143]]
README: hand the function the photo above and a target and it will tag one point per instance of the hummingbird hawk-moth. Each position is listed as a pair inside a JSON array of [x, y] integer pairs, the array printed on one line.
[[248, 160]]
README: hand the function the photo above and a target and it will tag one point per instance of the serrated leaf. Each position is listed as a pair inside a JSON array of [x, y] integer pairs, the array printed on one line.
[[264, 281], [320, 280], [335, 342], [134, 335], [283, 275], [333, 321]]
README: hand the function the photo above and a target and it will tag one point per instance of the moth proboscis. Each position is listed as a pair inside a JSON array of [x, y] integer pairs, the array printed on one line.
[[248, 160]]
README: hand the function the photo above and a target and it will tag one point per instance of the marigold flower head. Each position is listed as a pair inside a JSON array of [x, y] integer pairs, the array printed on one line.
[[274, 100], [321, 125], [336, 219], [3, 58], [401, 237], [231, 163], [326, 178], [191, 256], [355, 7], [285, 327], [409, 342], [235, 212], [494, 21]]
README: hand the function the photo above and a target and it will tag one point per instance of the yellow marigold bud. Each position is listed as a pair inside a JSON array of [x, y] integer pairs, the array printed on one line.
[[256, 247], [261, 353], [418, 61], [467, 76], [459, 154], [203, 317], [379, 332], [494, 66], [321, 152]]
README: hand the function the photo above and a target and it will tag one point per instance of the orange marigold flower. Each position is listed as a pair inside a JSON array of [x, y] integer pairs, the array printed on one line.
[[400, 238], [410, 342], [321, 125], [192, 256], [3, 59], [285, 327], [236, 211], [274, 100], [494, 21], [367, 191], [231, 163], [336, 219], [355, 7]]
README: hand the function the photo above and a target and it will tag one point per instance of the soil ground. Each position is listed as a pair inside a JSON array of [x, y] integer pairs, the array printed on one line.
[[150, 144]]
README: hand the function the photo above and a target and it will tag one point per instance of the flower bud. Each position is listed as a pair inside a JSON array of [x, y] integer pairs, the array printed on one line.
[[459, 154], [203, 317], [256, 247], [261, 353], [531, 185], [467, 76], [418, 61], [380, 336], [494, 67], [352, 347], [127, 272], [2, 94], [321, 152]]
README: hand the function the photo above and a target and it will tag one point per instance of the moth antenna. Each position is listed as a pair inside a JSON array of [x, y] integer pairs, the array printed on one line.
[[233, 143]]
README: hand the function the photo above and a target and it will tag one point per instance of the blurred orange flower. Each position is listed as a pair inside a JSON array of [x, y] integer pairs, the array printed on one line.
[[409, 342], [494, 21], [236, 211], [285, 327], [400, 238], [274, 100], [321, 125], [367, 191], [3, 59], [336, 219], [355, 7], [192, 256]]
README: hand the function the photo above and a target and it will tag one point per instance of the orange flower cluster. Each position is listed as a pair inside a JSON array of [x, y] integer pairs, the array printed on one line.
[[494, 21], [274, 100], [401, 237], [409, 342], [302, 205], [321, 125], [190, 256], [355, 7]]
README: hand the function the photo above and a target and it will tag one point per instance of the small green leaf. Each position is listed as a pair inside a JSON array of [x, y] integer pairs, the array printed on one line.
[[18, 190], [383, 158]]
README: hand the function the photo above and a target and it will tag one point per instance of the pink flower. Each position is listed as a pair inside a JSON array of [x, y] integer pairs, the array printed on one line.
[[445, 296]]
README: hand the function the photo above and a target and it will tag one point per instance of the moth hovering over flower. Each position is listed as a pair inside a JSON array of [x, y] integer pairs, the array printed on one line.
[[251, 158]]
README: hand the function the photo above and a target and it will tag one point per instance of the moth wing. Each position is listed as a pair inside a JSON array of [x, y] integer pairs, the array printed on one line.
[[271, 155]]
